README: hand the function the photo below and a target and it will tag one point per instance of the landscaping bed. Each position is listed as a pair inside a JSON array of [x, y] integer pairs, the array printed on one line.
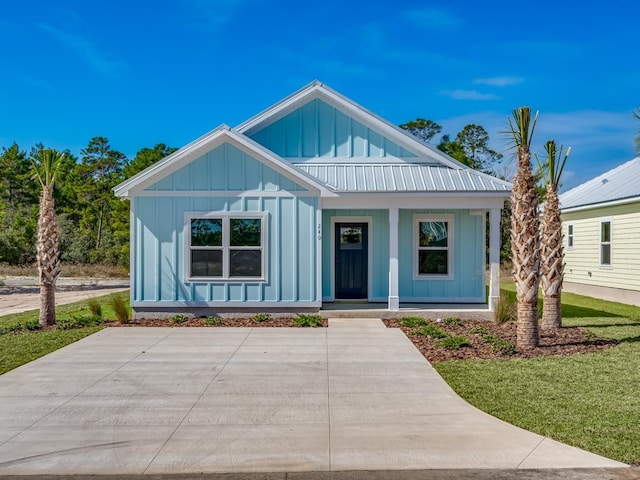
[[455, 339], [217, 322]]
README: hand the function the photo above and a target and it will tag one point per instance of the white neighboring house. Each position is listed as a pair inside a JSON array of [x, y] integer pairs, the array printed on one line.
[[601, 226]]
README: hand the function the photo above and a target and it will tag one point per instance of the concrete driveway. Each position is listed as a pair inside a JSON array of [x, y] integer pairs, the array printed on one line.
[[354, 396]]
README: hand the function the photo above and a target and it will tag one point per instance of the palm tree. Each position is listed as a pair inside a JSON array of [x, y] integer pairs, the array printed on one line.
[[525, 235], [45, 169], [551, 252]]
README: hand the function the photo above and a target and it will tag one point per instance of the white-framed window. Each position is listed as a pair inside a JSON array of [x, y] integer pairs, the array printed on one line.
[[433, 247], [226, 246], [605, 243], [570, 237]]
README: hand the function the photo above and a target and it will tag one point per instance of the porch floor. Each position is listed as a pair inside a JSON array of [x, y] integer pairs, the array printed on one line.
[[465, 311]]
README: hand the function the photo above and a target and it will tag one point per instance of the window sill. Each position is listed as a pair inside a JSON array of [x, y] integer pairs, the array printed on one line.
[[226, 280]]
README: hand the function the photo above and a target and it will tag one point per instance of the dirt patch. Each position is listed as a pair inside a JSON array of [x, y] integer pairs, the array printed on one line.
[[490, 341]]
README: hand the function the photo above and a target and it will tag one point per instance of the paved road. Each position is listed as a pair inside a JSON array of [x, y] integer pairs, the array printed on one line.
[[352, 397], [20, 294]]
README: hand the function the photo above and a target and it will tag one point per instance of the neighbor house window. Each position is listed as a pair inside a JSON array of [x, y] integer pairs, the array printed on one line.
[[433, 246], [570, 236], [605, 243], [223, 246]]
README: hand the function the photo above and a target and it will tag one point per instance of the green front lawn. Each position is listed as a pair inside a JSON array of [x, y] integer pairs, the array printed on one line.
[[591, 401], [26, 345]]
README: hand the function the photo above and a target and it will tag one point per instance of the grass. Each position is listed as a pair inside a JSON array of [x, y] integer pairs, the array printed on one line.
[[26, 345], [591, 401]]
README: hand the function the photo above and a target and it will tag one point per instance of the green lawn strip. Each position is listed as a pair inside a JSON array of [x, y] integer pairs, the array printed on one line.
[[589, 401], [19, 348]]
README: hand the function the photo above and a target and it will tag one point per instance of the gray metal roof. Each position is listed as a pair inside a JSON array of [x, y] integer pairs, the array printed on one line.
[[410, 177], [623, 182]]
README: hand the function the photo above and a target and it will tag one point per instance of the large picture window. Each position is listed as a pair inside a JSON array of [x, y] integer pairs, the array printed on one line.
[[226, 246], [433, 246], [605, 243]]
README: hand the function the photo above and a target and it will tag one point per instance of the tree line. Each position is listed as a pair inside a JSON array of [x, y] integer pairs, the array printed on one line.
[[93, 225]]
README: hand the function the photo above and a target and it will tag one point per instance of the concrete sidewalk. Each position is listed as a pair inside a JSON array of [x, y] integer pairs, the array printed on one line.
[[355, 396]]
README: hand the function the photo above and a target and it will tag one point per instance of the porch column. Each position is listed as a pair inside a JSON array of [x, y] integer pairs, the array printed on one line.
[[394, 299], [494, 257]]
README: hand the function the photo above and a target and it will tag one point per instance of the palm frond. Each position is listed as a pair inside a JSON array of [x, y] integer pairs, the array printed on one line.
[[521, 127], [45, 168], [636, 115]]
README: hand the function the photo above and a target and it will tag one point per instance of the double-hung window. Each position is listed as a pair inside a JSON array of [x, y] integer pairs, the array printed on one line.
[[570, 236], [226, 246], [433, 247], [605, 243]]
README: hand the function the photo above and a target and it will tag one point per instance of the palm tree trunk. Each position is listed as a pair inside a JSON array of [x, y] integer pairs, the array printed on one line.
[[47, 255], [527, 329], [552, 312]]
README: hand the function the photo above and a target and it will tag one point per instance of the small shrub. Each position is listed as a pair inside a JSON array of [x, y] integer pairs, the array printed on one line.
[[120, 308], [453, 322], [214, 320], [306, 320], [67, 323], [414, 321], [94, 307], [479, 329], [454, 342], [88, 320], [261, 317], [506, 309], [430, 330], [179, 318], [500, 345]]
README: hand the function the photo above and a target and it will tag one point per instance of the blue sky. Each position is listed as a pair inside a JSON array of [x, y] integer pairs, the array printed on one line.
[[141, 72]]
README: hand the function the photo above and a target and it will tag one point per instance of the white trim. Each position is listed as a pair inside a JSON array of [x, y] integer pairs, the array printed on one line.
[[593, 206], [350, 219], [494, 256], [206, 143], [381, 202], [388, 160], [226, 247], [394, 283], [225, 304], [319, 234], [605, 266], [571, 237], [450, 219], [446, 300], [223, 193], [132, 252]]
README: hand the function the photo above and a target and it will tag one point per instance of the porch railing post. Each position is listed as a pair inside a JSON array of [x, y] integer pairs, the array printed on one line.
[[494, 258], [394, 299]]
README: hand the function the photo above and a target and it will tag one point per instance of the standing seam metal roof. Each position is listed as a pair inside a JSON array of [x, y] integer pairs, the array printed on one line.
[[617, 184], [402, 178]]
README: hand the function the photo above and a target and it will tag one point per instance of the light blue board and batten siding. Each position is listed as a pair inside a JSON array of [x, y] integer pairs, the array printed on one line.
[[225, 168], [468, 282], [318, 129], [159, 243]]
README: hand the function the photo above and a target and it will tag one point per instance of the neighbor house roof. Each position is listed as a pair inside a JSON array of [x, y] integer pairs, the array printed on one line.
[[404, 177], [620, 185]]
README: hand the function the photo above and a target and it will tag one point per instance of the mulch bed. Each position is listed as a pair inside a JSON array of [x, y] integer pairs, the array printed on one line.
[[201, 322], [563, 342]]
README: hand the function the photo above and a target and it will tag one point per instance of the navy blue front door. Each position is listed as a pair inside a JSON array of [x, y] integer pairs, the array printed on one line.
[[352, 256]]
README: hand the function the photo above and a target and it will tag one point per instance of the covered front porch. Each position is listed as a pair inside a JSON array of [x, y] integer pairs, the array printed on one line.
[[426, 256]]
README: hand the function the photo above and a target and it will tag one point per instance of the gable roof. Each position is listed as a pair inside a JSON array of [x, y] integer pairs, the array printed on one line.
[[209, 141], [317, 89], [619, 185]]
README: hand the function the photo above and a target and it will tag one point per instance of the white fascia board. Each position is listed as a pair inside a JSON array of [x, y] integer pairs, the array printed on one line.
[[159, 169], [208, 142], [366, 117], [594, 206], [415, 202]]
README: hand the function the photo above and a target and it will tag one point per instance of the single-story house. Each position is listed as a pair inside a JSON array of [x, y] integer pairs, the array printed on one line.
[[601, 224], [316, 199]]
